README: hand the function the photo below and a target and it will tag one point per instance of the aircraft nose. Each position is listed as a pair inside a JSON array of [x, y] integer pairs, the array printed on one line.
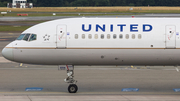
[[8, 53]]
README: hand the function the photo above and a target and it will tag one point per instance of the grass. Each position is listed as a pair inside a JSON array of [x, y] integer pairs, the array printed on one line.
[[13, 28], [9, 28], [50, 14], [96, 9], [66, 11], [35, 22]]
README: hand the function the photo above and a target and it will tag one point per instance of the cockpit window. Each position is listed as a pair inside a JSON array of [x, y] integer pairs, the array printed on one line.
[[20, 37], [33, 37], [26, 37]]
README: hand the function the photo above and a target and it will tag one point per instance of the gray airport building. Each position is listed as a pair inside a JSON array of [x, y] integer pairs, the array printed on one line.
[[19, 4]]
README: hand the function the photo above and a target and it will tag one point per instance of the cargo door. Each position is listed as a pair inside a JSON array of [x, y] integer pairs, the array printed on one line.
[[61, 36], [170, 36]]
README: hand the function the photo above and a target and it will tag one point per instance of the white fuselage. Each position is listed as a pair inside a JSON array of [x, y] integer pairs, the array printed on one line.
[[100, 41]]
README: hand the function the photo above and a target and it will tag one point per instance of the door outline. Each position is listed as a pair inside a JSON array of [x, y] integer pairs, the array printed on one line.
[[60, 37], [168, 37]]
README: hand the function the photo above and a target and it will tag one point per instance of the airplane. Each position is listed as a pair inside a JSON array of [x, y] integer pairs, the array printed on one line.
[[98, 41]]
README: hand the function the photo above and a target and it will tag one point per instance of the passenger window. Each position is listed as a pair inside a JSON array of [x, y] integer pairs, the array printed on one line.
[[33, 37], [133, 36], [20, 37], [76, 36], [83, 36], [26, 37], [139, 36], [89, 36], [102, 36], [96, 36], [121, 36], [127, 36], [114, 36], [108, 36]]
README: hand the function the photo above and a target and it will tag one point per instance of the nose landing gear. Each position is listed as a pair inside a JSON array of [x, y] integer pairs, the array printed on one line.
[[73, 88]]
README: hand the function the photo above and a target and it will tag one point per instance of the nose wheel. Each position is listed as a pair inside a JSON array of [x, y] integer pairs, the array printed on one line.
[[70, 80], [72, 88]]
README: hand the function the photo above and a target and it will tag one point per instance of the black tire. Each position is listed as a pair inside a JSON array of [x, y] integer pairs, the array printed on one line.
[[72, 88]]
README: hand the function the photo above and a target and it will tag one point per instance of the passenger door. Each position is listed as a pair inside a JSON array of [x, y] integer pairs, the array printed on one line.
[[61, 36], [171, 36]]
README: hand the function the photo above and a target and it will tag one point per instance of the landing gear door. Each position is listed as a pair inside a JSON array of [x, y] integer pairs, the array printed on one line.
[[61, 36], [170, 36]]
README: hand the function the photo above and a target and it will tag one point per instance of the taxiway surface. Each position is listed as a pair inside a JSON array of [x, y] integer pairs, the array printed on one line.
[[96, 80], [112, 16]]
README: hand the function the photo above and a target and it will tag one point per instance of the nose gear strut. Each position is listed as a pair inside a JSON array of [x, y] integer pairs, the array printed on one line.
[[73, 88], [70, 78]]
